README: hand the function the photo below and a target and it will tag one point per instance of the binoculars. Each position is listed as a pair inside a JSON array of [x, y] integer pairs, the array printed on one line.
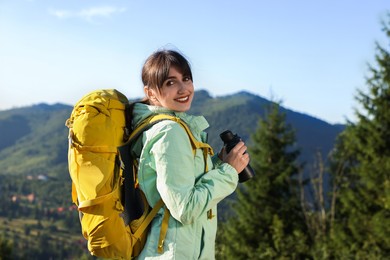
[[230, 140]]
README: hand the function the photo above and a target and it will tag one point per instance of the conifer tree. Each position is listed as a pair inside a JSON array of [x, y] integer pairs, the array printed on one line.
[[5, 249], [361, 171], [266, 220]]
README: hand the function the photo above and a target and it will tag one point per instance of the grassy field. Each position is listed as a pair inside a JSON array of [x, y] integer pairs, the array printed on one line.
[[31, 237]]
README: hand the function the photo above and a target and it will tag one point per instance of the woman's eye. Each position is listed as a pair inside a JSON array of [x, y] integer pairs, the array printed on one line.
[[169, 83], [186, 79]]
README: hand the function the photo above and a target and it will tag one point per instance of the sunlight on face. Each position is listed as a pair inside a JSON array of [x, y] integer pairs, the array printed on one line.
[[176, 93]]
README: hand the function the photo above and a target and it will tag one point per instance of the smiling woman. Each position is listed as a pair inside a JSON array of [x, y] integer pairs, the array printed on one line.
[[172, 87], [176, 92], [190, 182]]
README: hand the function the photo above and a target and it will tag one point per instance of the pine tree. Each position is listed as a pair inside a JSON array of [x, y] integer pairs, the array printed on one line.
[[267, 220], [361, 171], [5, 249]]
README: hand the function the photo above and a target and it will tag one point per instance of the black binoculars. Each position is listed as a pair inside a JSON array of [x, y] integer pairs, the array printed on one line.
[[230, 140]]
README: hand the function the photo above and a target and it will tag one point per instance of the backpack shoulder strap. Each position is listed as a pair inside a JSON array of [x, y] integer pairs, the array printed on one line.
[[154, 119], [146, 124]]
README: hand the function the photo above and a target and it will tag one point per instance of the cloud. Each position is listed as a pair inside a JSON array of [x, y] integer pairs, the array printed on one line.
[[105, 11], [61, 14], [88, 14]]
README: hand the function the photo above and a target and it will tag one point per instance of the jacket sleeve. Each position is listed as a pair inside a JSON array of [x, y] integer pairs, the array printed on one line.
[[186, 197]]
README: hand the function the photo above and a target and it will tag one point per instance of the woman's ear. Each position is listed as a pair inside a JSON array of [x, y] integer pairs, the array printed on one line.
[[150, 94]]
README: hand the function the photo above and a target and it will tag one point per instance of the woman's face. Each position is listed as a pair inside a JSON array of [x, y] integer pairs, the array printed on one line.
[[175, 94]]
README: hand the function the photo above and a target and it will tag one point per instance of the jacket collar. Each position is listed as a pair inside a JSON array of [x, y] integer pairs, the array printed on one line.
[[142, 111]]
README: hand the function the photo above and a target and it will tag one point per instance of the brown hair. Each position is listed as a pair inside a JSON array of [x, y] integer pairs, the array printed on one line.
[[154, 72], [156, 68]]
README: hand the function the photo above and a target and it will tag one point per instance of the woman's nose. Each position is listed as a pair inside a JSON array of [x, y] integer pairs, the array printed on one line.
[[182, 86]]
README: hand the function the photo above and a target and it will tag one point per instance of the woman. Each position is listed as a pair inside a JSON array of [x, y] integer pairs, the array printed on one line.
[[168, 168]]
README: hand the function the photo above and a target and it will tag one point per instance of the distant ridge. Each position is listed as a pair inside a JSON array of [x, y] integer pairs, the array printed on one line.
[[33, 139]]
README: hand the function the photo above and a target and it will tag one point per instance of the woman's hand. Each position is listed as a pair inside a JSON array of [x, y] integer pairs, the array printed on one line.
[[237, 157]]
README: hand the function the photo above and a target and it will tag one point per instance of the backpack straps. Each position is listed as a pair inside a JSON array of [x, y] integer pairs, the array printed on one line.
[[149, 219], [163, 230], [146, 124], [196, 144], [154, 119]]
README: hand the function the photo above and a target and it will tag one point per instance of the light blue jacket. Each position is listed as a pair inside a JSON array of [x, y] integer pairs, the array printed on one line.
[[169, 170]]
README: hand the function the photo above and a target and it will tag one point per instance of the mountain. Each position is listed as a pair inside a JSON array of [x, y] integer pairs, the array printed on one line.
[[33, 140], [241, 112], [35, 187]]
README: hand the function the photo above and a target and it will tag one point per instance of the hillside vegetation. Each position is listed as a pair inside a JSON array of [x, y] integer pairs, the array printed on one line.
[[34, 181]]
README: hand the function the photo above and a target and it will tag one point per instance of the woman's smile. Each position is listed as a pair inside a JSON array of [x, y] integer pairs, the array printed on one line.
[[183, 99]]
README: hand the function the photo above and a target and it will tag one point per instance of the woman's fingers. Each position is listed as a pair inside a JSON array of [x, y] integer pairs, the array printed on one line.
[[237, 157]]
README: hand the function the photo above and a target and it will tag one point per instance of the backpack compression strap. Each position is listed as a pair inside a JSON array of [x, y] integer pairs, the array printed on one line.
[[73, 147]]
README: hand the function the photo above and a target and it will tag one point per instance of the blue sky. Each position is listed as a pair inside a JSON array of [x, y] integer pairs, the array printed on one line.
[[312, 55]]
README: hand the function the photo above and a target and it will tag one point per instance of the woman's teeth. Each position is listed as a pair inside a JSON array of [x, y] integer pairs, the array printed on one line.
[[183, 99]]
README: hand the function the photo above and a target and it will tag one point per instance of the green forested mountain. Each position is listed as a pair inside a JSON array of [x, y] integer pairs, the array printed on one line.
[[33, 140], [241, 112], [35, 187]]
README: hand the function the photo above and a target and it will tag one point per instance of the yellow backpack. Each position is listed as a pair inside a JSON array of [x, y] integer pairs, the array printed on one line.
[[114, 213]]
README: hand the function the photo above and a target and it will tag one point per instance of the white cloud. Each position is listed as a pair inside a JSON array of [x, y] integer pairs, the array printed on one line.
[[105, 11], [88, 14], [61, 14]]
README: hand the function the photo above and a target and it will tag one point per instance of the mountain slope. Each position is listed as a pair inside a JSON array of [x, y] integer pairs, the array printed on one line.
[[33, 139], [37, 142], [241, 112]]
